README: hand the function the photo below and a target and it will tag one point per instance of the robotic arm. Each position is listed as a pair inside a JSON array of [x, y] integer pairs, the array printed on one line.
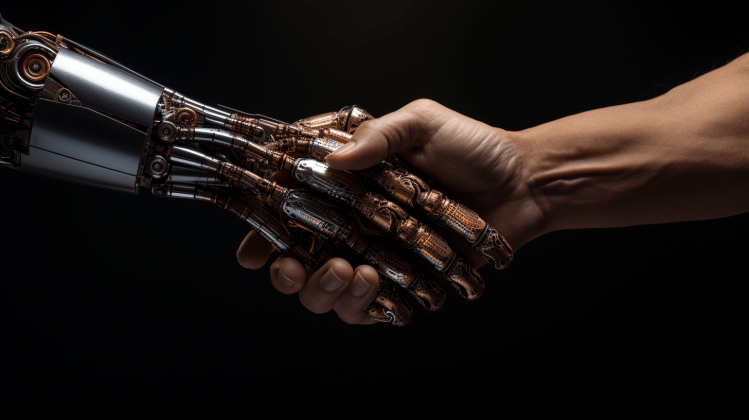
[[71, 113]]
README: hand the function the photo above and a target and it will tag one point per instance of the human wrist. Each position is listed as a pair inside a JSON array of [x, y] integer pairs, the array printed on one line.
[[682, 156], [579, 168]]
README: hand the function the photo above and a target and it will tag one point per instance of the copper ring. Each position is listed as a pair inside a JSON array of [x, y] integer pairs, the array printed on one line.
[[35, 67], [8, 41], [186, 117]]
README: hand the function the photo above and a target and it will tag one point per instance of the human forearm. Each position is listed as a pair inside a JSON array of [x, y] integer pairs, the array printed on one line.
[[682, 156]]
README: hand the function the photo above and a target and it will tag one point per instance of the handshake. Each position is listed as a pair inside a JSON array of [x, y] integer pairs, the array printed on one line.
[[324, 191], [274, 176], [344, 188]]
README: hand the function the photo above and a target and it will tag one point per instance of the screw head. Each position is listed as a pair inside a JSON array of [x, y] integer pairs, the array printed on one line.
[[167, 131], [64, 95], [157, 166]]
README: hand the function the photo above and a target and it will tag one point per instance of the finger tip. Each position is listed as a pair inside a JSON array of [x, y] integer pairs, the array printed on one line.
[[368, 273], [340, 162], [250, 262], [254, 251], [291, 268], [341, 267]]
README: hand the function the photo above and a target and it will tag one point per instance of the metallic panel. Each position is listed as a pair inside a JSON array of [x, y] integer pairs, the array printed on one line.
[[44, 163], [342, 185], [107, 60], [88, 136], [317, 213], [107, 89]]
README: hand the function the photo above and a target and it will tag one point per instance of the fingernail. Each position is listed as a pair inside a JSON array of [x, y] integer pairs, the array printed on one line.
[[359, 287], [330, 282], [285, 280], [342, 150]]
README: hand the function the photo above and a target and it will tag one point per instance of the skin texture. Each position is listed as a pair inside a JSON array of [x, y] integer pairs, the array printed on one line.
[[682, 156]]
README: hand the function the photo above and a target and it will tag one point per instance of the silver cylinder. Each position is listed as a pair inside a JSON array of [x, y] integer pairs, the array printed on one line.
[[187, 175], [106, 88], [190, 192], [186, 155]]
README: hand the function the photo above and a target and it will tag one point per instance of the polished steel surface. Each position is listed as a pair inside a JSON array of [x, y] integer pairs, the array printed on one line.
[[82, 134], [341, 185], [106, 88], [52, 165]]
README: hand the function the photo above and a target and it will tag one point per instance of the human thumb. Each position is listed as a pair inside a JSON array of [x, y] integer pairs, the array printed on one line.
[[377, 139]]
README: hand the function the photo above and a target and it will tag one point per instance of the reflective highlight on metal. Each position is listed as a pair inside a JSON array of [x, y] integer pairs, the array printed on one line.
[[106, 88], [72, 113]]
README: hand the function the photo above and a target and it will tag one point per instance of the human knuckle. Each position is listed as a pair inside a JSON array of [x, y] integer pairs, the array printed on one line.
[[423, 103]]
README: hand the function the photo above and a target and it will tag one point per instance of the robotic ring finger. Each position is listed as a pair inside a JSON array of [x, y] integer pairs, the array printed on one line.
[[71, 113]]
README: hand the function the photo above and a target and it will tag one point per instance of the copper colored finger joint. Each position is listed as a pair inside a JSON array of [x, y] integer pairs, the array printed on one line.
[[242, 124], [494, 248]]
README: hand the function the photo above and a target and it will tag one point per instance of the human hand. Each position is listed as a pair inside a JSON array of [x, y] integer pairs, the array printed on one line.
[[477, 165]]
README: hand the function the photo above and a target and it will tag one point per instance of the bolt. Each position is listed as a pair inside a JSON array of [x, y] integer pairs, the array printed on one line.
[[11, 141], [64, 95], [157, 166], [167, 131]]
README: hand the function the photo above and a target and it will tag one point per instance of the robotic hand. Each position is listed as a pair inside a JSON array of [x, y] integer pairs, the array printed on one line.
[[71, 113]]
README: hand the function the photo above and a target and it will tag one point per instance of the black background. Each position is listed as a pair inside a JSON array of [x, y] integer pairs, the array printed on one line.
[[119, 299]]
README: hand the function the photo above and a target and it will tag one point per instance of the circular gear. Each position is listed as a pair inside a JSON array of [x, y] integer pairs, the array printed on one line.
[[157, 166], [186, 117], [167, 131], [35, 67]]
